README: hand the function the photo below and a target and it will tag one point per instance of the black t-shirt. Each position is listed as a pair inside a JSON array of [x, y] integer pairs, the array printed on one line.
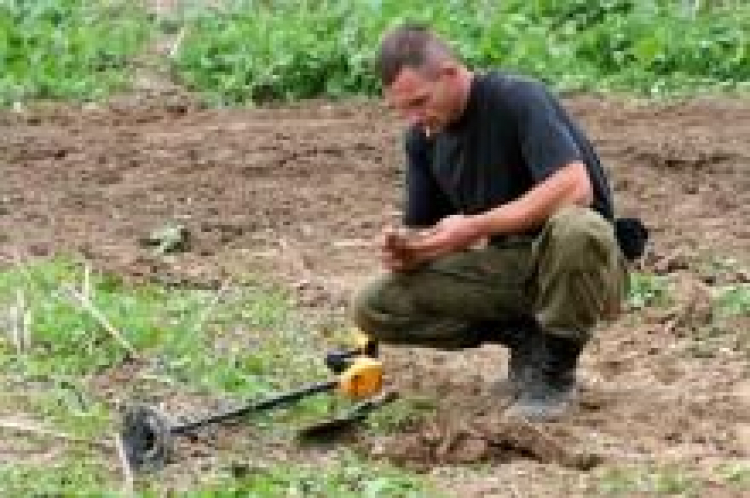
[[512, 135]]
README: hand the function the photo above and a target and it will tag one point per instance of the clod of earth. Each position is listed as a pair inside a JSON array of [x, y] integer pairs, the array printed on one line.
[[452, 440]]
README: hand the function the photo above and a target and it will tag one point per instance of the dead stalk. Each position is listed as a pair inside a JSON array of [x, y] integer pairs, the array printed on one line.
[[86, 287], [177, 43], [26, 428], [127, 471], [13, 328], [26, 328], [89, 307], [23, 322]]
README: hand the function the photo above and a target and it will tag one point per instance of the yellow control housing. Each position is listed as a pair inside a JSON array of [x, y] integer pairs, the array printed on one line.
[[361, 340], [365, 344], [362, 379]]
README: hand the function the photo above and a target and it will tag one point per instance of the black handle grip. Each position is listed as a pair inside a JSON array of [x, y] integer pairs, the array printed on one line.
[[338, 361]]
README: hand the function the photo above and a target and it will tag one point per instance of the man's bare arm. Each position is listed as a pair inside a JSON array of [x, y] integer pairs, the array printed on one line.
[[568, 186]]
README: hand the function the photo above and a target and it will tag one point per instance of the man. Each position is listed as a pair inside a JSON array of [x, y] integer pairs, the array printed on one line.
[[517, 243]]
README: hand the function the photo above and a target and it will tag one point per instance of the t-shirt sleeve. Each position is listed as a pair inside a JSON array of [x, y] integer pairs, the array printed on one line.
[[546, 141], [425, 202]]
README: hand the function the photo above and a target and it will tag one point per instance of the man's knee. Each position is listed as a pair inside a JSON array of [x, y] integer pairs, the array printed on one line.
[[578, 239], [381, 306], [581, 271], [363, 306], [386, 310]]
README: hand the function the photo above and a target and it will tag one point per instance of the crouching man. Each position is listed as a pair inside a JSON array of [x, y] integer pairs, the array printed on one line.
[[515, 239]]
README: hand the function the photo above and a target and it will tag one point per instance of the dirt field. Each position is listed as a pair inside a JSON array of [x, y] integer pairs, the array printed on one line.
[[297, 194]]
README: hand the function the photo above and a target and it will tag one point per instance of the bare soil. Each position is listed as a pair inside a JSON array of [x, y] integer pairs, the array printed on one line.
[[297, 195]]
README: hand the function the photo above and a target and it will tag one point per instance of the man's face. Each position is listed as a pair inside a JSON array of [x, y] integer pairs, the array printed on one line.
[[424, 98]]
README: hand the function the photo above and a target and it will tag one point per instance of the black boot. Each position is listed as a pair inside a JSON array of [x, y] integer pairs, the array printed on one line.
[[520, 366], [548, 385], [515, 335]]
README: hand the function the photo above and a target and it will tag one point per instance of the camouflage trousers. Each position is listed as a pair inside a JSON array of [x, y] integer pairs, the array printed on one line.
[[566, 279]]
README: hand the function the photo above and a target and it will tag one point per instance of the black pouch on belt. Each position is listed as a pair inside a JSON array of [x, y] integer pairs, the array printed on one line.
[[632, 236]]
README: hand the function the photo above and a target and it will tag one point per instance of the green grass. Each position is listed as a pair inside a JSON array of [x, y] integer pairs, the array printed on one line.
[[401, 413], [257, 51], [167, 324], [735, 474], [647, 290], [348, 477], [68, 478], [733, 300], [652, 481], [245, 343], [671, 480], [353, 478], [67, 49]]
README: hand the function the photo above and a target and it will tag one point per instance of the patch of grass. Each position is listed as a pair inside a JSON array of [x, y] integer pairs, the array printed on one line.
[[733, 300], [346, 477], [251, 51], [401, 413], [230, 346], [735, 474], [350, 477], [257, 51], [51, 377], [62, 49], [659, 481], [66, 404], [245, 344], [71, 477], [647, 290], [242, 344]]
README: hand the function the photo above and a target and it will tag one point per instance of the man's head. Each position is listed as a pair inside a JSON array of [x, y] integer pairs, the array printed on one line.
[[421, 77]]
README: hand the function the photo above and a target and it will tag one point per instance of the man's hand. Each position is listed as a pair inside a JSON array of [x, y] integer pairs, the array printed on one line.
[[396, 251], [452, 234]]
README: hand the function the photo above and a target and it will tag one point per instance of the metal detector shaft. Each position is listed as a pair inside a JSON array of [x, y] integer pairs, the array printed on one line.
[[257, 406]]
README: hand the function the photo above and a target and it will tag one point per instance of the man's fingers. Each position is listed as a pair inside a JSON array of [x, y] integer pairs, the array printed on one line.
[[393, 263], [401, 253], [402, 260], [396, 241], [428, 246]]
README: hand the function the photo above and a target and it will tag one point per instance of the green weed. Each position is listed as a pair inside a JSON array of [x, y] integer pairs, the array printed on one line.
[[350, 478], [249, 50], [256, 51], [401, 413], [59, 49], [735, 474], [647, 290], [239, 345], [70, 478], [182, 329], [733, 300], [661, 481]]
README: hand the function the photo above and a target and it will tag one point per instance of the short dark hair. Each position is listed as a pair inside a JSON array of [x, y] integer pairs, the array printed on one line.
[[409, 45]]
